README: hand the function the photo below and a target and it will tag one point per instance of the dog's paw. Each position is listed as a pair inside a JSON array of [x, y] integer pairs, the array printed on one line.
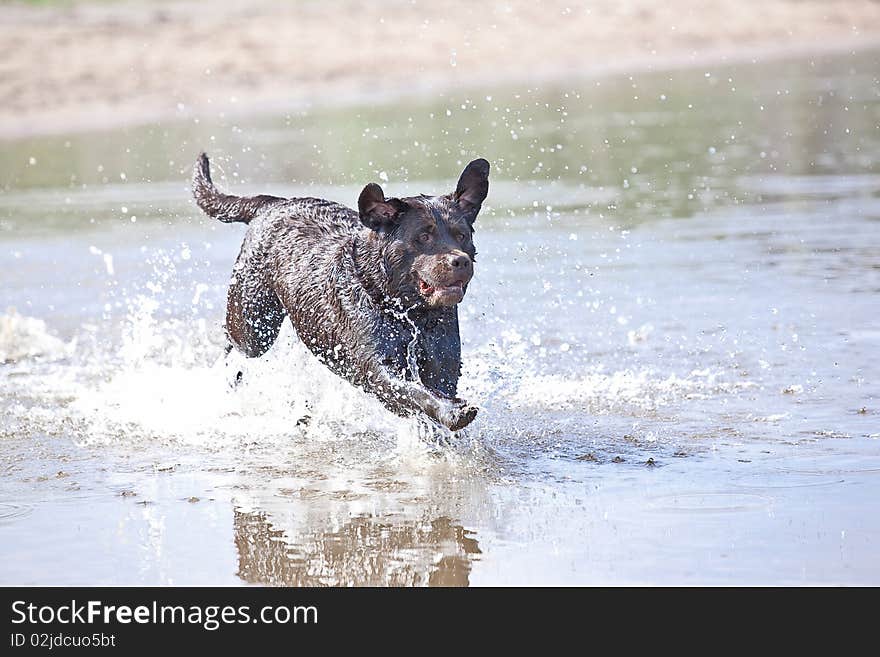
[[458, 415]]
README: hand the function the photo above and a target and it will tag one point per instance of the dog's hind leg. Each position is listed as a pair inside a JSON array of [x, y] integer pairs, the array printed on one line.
[[253, 315]]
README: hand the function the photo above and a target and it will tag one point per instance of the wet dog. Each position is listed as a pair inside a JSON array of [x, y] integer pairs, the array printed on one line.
[[372, 292]]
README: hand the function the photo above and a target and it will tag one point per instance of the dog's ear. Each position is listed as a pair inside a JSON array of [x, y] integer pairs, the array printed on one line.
[[473, 185], [376, 211]]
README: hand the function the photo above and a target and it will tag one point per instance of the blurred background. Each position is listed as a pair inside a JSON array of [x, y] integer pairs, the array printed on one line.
[[69, 64]]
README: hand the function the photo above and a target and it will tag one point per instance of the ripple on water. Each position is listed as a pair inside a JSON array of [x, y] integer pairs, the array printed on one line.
[[10, 512], [786, 479], [709, 502], [835, 466]]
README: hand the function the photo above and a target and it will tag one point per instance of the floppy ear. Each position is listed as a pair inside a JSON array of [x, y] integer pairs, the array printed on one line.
[[376, 211], [473, 185]]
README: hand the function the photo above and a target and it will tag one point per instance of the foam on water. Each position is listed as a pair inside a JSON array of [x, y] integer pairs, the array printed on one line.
[[166, 387], [603, 392], [23, 338], [165, 382], [502, 371]]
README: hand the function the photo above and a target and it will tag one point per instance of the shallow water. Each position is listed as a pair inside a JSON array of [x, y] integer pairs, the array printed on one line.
[[672, 336]]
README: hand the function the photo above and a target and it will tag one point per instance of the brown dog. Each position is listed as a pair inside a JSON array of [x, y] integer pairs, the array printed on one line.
[[372, 293]]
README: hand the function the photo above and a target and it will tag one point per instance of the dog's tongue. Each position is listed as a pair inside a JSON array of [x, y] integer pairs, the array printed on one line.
[[427, 290]]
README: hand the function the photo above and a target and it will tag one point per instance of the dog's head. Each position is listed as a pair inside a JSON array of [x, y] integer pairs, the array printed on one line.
[[427, 241]]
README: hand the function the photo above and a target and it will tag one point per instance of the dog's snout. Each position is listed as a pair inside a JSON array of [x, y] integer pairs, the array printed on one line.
[[459, 261]]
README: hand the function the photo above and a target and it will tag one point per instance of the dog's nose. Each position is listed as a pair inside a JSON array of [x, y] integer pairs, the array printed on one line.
[[459, 261]]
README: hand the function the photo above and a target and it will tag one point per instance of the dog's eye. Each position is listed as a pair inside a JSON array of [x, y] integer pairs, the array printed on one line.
[[459, 237], [425, 237]]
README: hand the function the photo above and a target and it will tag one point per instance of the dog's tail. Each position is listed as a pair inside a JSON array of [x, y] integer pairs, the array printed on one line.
[[225, 207]]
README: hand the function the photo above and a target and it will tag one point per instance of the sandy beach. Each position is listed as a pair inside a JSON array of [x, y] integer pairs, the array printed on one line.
[[82, 65]]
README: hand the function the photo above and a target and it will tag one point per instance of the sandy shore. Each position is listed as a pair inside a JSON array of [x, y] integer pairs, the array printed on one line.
[[82, 65]]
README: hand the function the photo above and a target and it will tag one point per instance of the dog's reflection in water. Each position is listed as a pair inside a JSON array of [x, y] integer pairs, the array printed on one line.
[[365, 551]]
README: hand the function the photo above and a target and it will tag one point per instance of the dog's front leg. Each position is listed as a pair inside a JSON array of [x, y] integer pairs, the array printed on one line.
[[406, 397]]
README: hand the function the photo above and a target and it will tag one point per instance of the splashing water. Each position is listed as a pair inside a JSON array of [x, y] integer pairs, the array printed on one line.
[[23, 338]]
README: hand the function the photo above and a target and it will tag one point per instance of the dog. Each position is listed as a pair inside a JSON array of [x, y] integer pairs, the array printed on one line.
[[372, 292]]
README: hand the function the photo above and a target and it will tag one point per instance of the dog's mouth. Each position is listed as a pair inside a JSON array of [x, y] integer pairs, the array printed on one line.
[[441, 295]]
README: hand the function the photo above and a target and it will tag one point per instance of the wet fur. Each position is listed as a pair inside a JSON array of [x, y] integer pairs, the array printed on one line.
[[349, 282]]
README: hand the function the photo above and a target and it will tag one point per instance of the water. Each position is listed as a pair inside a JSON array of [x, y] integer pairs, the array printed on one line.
[[672, 336]]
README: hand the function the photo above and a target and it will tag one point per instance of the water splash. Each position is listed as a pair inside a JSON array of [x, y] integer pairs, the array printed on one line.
[[23, 338], [166, 381]]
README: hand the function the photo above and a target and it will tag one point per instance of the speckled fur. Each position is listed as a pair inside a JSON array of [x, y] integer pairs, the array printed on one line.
[[349, 282]]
